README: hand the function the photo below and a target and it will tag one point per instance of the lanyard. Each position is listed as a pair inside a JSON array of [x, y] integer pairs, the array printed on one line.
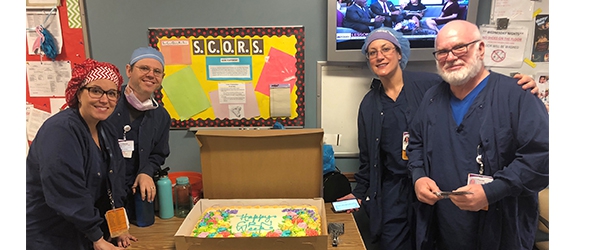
[[109, 154], [479, 159]]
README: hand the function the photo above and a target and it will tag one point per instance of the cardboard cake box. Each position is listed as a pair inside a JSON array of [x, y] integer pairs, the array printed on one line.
[[184, 240], [258, 167]]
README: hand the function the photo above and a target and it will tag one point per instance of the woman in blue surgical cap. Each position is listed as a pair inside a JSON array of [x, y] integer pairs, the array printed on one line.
[[384, 187]]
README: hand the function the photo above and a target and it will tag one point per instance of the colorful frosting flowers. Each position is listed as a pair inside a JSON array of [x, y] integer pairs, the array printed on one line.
[[296, 222]]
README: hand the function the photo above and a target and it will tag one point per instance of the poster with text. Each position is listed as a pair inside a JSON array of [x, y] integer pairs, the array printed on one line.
[[504, 48], [221, 77], [541, 39]]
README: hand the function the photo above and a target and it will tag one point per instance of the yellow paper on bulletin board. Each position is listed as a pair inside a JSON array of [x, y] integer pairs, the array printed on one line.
[[234, 69]]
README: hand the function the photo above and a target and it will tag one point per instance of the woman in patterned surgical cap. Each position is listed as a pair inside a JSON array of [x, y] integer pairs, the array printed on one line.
[[75, 172]]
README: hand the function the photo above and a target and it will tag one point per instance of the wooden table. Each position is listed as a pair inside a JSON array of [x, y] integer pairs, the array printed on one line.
[[160, 235]]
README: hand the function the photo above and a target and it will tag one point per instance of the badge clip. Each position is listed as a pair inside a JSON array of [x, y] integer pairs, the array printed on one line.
[[127, 128]]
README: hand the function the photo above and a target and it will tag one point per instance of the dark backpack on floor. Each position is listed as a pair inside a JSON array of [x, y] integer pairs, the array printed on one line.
[[335, 185]]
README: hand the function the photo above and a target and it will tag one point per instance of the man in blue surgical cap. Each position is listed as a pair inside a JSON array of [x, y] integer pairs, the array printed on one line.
[[145, 125]]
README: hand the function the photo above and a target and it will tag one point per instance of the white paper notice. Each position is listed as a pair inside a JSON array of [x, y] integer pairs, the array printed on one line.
[[232, 92], [504, 48], [47, 78], [36, 118], [236, 111], [28, 107], [229, 71], [279, 100], [52, 24], [515, 10], [47, 3], [57, 104]]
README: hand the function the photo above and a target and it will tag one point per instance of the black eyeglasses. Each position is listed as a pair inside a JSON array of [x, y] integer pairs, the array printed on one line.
[[385, 51], [145, 70], [97, 93], [457, 51]]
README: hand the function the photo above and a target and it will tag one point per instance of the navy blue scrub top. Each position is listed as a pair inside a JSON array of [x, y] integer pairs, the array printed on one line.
[[393, 125]]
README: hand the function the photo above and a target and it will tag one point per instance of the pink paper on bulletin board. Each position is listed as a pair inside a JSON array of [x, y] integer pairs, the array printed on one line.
[[250, 108], [280, 67], [176, 52]]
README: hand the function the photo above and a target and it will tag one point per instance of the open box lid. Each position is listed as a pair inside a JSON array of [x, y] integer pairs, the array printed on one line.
[[261, 164]]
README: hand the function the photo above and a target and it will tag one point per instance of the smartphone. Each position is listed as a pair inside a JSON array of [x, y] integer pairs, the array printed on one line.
[[343, 206], [446, 193]]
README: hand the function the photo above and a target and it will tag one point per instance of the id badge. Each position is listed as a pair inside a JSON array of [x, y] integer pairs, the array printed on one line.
[[479, 179], [405, 137], [127, 147], [118, 222]]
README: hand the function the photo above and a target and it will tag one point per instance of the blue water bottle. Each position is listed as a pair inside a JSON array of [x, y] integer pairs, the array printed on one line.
[[166, 205], [144, 211]]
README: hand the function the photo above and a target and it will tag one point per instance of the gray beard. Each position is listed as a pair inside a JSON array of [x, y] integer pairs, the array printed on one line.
[[460, 77]]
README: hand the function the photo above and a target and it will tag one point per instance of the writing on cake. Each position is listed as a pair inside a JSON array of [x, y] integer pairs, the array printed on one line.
[[258, 221]]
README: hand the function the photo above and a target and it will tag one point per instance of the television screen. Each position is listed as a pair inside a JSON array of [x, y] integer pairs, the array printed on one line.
[[416, 19]]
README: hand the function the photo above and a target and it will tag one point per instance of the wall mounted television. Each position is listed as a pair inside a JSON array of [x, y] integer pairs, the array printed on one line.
[[344, 44]]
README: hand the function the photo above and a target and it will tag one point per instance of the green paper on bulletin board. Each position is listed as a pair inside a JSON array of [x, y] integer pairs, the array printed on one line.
[[185, 93]]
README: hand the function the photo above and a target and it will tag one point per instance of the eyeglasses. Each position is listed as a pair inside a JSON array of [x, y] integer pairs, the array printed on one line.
[[457, 51], [145, 70], [385, 51], [97, 93]]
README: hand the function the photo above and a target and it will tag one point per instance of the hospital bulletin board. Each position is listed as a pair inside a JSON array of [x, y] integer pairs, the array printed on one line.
[[72, 49], [47, 78], [232, 76]]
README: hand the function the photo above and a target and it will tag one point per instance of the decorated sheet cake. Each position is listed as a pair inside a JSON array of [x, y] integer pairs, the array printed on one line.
[[258, 221]]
